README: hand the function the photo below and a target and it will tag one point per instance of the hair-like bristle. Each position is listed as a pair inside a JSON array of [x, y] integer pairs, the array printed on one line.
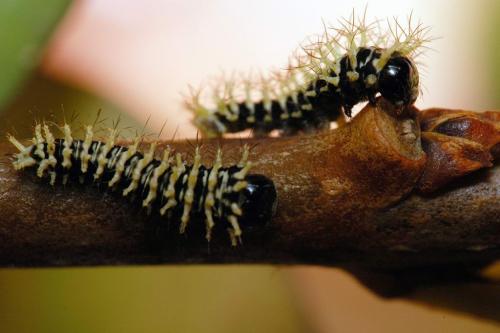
[[170, 184], [315, 60], [355, 32]]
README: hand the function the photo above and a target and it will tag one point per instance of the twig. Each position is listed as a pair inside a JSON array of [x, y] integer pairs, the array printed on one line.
[[346, 198]]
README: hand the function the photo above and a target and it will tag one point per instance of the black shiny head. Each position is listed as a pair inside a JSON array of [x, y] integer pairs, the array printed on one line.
[[398, 81], [258, 201]]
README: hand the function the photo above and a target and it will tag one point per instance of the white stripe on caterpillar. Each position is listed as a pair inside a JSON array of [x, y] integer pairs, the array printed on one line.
[[330, 74], [185, 192]]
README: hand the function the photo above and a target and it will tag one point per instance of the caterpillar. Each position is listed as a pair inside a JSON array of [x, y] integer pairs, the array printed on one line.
[[176, 191], [331, 74]]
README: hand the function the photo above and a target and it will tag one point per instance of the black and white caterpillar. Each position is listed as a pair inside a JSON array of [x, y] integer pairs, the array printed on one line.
[[177, 191], [332, 74]]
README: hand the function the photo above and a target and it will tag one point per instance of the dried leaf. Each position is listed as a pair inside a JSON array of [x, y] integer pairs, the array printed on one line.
[[450, 157]]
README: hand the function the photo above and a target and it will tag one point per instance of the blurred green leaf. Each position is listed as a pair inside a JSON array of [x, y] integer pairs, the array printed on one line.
[[25, 25]]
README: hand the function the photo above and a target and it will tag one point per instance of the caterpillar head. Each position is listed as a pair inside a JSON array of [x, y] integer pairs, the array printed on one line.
[[398, 81], [258, 200]]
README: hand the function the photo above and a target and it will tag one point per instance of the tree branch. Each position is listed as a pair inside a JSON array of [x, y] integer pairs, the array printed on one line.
[[346, 198]]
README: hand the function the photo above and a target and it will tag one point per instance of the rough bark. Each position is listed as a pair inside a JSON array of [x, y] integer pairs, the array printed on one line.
[[346, 197]]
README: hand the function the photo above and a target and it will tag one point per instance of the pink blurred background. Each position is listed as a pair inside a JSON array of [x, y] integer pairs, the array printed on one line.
[[140, 56], [143, 54]]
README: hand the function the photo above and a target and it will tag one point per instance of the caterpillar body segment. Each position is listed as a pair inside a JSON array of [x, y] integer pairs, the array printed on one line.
[[328, 77], [177, 191]]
